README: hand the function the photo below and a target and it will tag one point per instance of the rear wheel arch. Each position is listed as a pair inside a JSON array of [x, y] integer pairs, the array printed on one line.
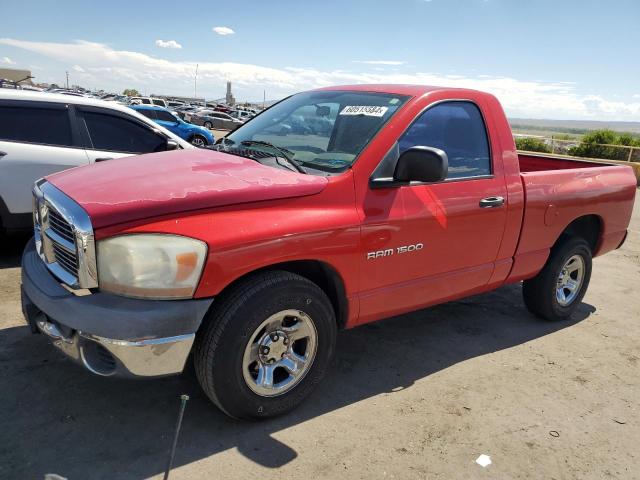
[[588, 227]]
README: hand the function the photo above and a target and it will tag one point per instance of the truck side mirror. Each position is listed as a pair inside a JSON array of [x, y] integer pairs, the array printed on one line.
[[172, 145], [422, 164]]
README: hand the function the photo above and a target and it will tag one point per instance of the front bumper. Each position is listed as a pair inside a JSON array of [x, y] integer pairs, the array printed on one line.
[[108, 334]]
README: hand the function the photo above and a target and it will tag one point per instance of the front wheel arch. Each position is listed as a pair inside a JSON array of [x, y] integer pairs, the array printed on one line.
[[323, 274], [198, 135]]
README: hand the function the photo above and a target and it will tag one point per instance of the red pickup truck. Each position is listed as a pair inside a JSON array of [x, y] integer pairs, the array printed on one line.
[[333, 208]]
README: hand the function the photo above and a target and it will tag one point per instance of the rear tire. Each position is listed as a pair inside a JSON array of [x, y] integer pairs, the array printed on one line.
[[239, 326], [557, 290], [208, 125]]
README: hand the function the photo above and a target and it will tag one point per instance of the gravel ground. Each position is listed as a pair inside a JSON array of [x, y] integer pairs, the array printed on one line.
[[419, 396]]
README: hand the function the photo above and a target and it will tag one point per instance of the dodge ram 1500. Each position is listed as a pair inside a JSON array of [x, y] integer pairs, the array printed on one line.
[[333, 208]]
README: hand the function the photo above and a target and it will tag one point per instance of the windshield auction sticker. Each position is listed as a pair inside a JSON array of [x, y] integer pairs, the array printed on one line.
[[364, 110]]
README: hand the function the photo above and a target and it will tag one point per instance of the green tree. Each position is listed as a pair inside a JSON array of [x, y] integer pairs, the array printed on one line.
[[530, 144], [131, 92], [601, 144]]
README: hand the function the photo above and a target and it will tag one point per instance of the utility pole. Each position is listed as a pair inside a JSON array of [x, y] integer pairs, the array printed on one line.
[[195, 83], [67, 80]]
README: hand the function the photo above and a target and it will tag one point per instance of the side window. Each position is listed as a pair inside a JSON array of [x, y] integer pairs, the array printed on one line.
[[117, 134], [147, 113], [46, 126], [459, 130], [165, 116]]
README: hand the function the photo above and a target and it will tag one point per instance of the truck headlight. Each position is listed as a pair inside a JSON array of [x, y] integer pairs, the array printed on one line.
[[150, 265]]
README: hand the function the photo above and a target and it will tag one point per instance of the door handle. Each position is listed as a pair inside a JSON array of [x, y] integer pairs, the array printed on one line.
[[491, 202], [104, 159]]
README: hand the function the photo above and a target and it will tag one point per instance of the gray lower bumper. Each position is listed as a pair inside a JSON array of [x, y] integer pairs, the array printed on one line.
[[108, 334]]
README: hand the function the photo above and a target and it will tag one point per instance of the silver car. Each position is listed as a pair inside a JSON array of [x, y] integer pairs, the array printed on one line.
[[218, 120]]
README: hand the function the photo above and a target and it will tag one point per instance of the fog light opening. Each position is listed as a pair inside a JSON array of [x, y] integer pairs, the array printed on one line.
[[97, 359]]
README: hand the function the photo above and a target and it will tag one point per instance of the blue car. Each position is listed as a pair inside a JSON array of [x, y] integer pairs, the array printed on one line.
[[198, 136]]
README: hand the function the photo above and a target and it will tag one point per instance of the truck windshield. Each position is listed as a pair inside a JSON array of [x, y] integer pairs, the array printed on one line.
[[322, 131]]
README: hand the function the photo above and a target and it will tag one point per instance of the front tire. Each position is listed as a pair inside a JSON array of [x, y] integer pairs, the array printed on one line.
[[556, 292], [266, 345], [199, 141]]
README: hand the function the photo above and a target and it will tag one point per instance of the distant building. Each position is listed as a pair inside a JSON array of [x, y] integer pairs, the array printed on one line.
[[23, 77], [229, 98]]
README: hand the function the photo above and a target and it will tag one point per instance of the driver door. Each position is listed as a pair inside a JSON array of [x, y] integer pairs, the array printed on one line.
[[428, 243]]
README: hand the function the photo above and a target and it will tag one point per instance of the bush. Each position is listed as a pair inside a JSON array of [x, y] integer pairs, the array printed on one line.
[[600, 144], [530, 144]]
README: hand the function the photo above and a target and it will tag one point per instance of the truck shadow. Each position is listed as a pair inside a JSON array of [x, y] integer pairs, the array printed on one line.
[[58, 418]]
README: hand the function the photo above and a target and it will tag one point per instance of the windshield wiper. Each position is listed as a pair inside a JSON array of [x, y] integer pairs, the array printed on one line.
[[284, 153]]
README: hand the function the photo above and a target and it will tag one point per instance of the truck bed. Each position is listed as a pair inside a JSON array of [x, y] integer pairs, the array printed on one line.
[[559, 191], [537, 162]]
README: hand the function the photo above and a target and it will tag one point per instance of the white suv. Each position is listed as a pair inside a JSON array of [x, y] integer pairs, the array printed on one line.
[[160, 102], [43, 133]]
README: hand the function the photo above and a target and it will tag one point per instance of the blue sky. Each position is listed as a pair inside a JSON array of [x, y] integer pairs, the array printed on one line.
[[542, 58]]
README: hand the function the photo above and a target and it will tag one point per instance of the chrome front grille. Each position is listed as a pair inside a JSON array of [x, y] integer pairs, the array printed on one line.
[[60, 226], [66, 259], [64, 237]]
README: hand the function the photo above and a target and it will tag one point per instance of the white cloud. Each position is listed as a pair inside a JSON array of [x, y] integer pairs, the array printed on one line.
[[168, 44], [380, 62], [223, 31], [636, 95], [78, 68], [7, 61], [113, 69]]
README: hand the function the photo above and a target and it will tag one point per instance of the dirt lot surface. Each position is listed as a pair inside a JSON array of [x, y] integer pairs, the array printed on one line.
[[419, 396]]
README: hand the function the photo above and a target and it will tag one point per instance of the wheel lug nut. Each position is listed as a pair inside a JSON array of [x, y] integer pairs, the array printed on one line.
[[286, 341], [265, 350], [274, 337]]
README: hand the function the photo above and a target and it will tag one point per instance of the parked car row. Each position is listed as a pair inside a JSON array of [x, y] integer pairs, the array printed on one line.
[[42, 133]]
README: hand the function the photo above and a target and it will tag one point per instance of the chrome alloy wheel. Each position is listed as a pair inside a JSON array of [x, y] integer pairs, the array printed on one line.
[[570, 280], [279, 353]]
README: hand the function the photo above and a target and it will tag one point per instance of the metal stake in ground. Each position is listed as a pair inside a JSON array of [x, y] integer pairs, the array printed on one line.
[[183, 404]]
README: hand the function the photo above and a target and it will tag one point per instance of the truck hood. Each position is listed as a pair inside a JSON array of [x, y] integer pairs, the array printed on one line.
[[139, 187]]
